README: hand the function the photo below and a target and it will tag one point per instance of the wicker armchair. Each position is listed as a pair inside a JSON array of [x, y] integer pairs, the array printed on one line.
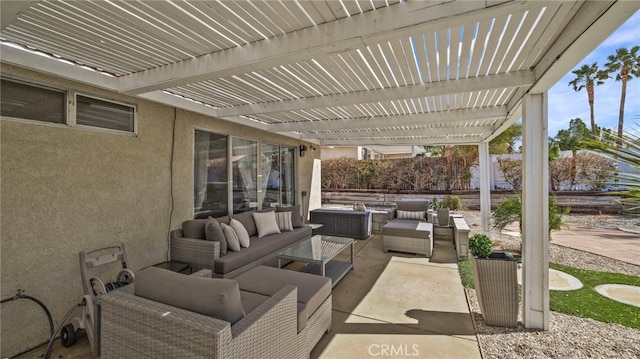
[[135, 327], [409, 231]]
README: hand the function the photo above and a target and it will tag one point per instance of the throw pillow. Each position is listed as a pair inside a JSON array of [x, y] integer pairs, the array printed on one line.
[[247, 221], [296, 216], [418, 215], [213, 232], [241, 232], [232, 238], [215, 297], [266, 223], [284, 221]]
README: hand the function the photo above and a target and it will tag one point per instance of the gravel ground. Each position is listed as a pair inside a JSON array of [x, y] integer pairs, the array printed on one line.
[[568, 336]]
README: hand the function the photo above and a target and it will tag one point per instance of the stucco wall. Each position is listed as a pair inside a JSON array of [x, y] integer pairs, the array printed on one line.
[[64, 190]]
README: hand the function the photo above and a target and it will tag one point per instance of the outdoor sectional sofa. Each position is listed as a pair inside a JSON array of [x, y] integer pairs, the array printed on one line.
[[190, 245], [264, 313]]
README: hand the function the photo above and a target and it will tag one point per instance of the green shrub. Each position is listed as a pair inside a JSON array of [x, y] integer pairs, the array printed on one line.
[[480, 245], [452, 202], [509, 210]]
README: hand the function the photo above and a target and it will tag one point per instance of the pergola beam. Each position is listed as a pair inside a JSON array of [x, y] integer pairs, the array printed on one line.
[[480, 83], [402, 132], [443, 140], [446, 117], [66, 70], [186, 104]]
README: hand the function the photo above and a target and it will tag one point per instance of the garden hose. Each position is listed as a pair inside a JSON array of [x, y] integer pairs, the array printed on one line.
[[20, 295]]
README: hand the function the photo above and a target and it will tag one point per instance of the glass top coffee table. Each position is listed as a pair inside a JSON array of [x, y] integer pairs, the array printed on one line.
[[319, 251]]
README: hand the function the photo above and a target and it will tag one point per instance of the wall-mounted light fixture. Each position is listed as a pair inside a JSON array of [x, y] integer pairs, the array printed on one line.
[[303, 150]]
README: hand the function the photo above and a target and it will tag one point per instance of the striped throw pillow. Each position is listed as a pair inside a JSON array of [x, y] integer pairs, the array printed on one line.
[[284, 221], [417, 215]]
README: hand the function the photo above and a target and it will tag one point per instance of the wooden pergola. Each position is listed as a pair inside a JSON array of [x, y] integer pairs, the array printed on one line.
[[346, 72]]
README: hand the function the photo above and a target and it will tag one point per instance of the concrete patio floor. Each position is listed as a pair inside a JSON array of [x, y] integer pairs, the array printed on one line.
[[391, 305], [399, 305]]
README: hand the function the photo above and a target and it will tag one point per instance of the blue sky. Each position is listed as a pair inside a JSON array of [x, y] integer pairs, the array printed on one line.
[[565, 104]]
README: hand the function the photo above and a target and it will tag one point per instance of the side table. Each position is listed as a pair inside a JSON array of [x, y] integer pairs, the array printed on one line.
[[174, 266]]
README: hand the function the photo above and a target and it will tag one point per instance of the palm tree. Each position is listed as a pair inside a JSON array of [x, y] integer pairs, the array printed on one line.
[[625, 64], [588, 76]]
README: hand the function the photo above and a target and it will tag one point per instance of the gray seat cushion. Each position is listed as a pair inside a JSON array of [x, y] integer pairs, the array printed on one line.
[[313, 289], [217, 298], [259, 248], [407, 228]]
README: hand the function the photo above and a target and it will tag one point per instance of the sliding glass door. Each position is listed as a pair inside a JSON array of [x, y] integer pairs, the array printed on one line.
[[226, 181], [287, 188], [278, 182], [210, 177], [244, 162]]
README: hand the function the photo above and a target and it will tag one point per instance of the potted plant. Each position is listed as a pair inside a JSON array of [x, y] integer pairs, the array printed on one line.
[[442, 213], [496, 282], [434, 204]]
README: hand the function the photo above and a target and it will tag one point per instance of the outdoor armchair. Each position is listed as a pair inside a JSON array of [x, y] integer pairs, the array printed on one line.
[[132, 326]]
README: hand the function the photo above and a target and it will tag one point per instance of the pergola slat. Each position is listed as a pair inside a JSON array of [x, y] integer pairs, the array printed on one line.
[[454, 49], [442, 52], [552, 16], [508, 38], [491, 47], [432, 57]]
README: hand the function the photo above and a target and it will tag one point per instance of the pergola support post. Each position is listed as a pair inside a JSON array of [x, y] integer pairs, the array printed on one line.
[[485, 184], [535, 212]]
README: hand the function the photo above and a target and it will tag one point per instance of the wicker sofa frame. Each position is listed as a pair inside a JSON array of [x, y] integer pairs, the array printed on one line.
[[135, 327]]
